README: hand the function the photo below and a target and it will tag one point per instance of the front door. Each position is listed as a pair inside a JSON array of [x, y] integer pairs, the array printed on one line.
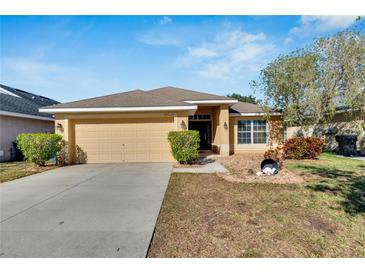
[[204, 132]]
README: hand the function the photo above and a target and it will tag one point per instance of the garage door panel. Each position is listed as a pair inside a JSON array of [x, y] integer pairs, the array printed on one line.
[[135, 140]]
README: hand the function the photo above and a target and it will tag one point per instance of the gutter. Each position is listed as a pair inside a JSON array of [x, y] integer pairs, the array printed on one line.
[[22, 115], [116, 109], [253, 114]]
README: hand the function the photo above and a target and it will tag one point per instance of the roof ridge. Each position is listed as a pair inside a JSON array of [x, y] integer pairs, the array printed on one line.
[[189, 90], [158, 96]]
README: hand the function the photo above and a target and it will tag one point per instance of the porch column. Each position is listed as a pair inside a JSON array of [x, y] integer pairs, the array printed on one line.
[[224, 130], [66, 128]]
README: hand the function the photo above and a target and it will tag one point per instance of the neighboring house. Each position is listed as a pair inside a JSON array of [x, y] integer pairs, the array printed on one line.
[[342, 123], [133, 126], [19, 114]]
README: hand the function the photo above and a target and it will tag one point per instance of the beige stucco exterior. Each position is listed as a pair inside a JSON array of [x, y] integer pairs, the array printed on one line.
[[142, 136], [341, 124], [120, 137], [11, 126]]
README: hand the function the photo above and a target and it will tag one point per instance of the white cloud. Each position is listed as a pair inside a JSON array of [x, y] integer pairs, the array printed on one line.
[[228, 55], [35, 73], [165, 20], [167, 35], [320, 24], [288, 41]]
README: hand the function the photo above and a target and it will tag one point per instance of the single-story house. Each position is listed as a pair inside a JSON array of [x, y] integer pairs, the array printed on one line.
[[19, 114], [133, 126]]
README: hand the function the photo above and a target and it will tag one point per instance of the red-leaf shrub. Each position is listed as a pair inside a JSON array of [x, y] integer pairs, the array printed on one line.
[[303, 147], [276, 154]]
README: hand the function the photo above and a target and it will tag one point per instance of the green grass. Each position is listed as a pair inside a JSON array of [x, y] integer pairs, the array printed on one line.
[[343, 177], [14, 170], [204, 215]]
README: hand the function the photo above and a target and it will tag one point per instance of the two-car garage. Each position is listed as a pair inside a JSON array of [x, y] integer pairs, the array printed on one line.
[[124, 140]]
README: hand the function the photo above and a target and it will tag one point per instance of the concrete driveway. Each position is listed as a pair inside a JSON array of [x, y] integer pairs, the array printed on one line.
[[94, 210]]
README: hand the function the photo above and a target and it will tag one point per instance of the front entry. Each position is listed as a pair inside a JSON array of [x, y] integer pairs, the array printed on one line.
[[204, 128]]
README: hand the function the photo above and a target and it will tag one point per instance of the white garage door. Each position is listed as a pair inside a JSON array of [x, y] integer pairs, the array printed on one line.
[[122, 140]]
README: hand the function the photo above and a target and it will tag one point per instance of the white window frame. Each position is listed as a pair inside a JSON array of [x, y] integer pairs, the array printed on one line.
[[252, 131]]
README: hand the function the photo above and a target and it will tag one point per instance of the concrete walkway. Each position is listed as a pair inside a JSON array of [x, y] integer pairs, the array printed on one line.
[[208, 165], [94, 210]]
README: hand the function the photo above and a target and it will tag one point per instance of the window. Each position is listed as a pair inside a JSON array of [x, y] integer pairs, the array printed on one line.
[[252, 132], [244, 132], [199, 117]]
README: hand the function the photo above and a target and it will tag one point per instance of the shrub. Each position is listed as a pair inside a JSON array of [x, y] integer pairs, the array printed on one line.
[[276, 154], [184, 145], [38, 147], [62, 155], [303, 147]]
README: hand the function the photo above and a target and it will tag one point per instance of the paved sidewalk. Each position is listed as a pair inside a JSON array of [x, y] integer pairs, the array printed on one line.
[[211, 165]]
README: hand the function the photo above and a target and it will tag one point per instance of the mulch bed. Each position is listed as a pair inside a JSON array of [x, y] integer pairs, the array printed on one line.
[[243, 168]]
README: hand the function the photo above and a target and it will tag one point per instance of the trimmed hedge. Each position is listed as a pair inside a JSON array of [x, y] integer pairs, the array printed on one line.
[[303, 147], [184, 145], [38, 147]]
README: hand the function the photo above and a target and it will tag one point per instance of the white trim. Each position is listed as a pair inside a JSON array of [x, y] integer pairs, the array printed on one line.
[[4, 91], [253, 114], [21, 115], [229, 101], [115, 109]]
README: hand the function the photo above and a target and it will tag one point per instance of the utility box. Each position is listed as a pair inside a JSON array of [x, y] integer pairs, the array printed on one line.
[[347, 145]]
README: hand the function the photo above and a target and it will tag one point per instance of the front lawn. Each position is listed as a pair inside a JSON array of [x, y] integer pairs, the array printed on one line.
[[14, 170], [204, 215]]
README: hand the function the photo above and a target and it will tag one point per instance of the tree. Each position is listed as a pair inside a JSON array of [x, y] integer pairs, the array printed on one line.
[[341, 63], [288, 83], [309, 85], [243, 98]]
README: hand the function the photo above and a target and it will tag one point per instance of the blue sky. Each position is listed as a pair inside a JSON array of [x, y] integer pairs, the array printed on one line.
[[73, 57]]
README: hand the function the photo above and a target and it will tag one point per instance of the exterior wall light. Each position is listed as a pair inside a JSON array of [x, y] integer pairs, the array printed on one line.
[[183, 125], [59, 127], [225, 125]]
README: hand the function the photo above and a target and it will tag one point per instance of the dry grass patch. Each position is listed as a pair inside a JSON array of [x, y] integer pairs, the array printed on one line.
[[243, 168], [204, 215], [14, 170]]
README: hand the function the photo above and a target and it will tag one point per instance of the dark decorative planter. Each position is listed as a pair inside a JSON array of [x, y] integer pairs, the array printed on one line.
[[271, 164], [347, 144]]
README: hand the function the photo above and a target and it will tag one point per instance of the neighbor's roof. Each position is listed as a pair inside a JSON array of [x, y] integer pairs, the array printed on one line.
[[19, 101], [182, 95]]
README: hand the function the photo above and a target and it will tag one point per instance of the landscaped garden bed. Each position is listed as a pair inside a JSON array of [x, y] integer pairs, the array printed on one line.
[[243, 168]]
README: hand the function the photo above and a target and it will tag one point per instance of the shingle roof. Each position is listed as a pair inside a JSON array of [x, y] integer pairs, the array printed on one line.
[[167, 96], [181, 94], [242, 107], [20, 101], [134, 98]]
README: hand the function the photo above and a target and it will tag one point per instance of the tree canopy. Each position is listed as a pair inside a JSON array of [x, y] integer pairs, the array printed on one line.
[[309, 85], [244, 98]]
